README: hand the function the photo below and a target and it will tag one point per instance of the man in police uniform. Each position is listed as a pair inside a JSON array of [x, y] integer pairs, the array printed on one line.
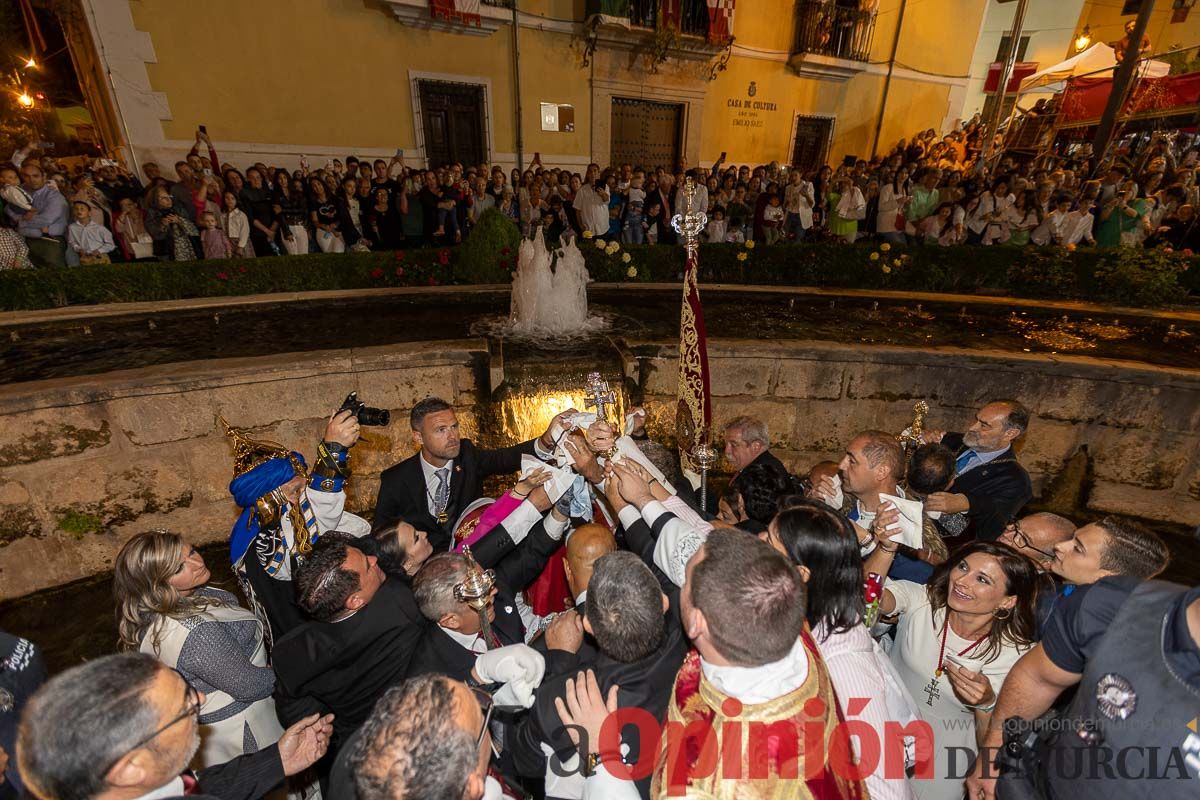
[[1132, 731]]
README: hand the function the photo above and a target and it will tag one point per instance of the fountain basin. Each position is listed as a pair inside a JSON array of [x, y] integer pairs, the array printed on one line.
[[88, 460]]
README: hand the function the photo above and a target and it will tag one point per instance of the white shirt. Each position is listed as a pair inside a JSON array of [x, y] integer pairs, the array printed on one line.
[[90, 238], [172, 789], [431, 481], [470, 642], [592, 209], [755, 685], [237, 228]]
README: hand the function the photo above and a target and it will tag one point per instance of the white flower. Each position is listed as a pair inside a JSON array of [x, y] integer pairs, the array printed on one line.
[[626, 258], [631, 272]]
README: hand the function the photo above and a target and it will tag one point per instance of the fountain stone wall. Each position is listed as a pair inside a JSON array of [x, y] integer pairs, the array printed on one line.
[[87, 462], [1139, 422]]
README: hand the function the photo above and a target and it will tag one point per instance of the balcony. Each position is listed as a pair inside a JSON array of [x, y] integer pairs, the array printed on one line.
[[833, 39], [639, 29], [493, 15]]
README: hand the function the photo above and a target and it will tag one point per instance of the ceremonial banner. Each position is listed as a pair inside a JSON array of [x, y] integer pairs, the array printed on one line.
[[694, 414], [669, 13], [464, 11], [720, 21]]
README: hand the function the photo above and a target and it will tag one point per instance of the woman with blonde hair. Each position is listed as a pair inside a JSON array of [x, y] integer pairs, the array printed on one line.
[[166, 609]]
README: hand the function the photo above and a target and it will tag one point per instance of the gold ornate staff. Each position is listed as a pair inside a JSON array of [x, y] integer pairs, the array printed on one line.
[[476, 591], [910, 437]]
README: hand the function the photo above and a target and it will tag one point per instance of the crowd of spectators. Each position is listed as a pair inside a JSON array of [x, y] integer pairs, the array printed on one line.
[[926, 190]]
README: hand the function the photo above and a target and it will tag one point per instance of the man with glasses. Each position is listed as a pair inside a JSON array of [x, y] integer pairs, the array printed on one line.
[[125, 727], [1036, 535]]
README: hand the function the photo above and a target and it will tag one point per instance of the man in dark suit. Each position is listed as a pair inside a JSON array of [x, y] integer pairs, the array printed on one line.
[[746, 443], [432, 487], [127, 726], [641, 647], [358, 642], [989, 487]]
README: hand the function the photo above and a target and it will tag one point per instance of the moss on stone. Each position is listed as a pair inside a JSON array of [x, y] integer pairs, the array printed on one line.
[[54, 441], [18, 522], [77, 524]]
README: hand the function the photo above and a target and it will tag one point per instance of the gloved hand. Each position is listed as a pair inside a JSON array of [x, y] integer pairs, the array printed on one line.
[[518, 666]]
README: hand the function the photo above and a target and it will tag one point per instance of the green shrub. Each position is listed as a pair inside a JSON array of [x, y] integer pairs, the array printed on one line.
[[1130, 277], [489, 254]]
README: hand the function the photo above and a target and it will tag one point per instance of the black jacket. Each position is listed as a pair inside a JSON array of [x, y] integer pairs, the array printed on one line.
[[645, 684], [403, 493], [344, 667], [996, 490], [246, 777]]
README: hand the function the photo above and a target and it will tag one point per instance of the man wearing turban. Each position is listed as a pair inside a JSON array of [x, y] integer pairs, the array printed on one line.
[[285, 510]]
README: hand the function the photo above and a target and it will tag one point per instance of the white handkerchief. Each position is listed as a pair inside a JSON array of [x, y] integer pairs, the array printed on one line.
[[579, 420], [562, 478], [631, 419], [839, 499], [911, 523]]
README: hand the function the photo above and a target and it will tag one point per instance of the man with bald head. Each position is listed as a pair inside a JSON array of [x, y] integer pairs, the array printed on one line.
[[588, 543], [1035, 536]]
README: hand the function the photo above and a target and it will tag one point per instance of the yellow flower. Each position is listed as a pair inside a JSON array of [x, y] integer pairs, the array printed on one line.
[[741, 256], [626, 258], [885, 247], [1070, 247], [749, 244], [874, 256], [886, 268], [612, 248], [896, 261], [631, 272], [587, 234], [599, 242]]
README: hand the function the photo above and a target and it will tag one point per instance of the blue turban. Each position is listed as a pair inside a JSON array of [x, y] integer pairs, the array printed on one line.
[[247, 488]]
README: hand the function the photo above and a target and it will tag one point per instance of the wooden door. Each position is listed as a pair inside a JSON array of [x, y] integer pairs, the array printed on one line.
[[811, 147], [453, 117], [646, 133]]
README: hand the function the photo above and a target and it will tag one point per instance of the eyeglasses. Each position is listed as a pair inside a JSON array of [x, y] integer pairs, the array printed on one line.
[[191, 707], [1021, 539]]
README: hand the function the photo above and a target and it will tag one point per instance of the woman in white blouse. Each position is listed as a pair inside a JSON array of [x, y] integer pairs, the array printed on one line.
[[956, 640], [892, 197]]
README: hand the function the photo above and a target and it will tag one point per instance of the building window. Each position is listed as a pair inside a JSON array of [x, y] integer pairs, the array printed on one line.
[[1022, 46]]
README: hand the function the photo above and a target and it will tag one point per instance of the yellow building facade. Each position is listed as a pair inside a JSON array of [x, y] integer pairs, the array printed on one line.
[[275, 80]]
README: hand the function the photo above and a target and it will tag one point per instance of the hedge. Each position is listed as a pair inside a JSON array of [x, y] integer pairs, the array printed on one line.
[[1123, 277]]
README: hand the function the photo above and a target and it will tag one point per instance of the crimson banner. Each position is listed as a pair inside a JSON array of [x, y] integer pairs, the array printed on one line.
[[1084, 98]]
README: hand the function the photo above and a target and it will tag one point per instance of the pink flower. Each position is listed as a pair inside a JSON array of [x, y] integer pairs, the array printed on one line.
[[1188, 252], [242, 269], [443, 257], [377, 273], [222, 276], [399, 255], [433, 281], [399, 271]]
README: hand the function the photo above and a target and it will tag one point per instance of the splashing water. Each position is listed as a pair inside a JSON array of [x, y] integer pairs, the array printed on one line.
[[549, 295]]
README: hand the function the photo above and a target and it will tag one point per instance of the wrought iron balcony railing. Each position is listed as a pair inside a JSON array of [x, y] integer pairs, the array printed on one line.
[[837, 28], [693, 15]]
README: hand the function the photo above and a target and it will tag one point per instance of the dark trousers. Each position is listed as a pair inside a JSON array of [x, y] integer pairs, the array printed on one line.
[[47, 252]]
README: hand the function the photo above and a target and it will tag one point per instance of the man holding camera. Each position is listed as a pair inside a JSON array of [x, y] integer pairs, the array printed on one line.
[[286, 509]]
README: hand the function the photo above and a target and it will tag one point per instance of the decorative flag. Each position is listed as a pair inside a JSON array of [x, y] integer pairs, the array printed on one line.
[[720, 21], [694, 414], [464, 11], [669, 14]]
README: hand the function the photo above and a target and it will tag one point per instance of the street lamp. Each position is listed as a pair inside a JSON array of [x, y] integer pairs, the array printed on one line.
[[25, 100], [31, 64], [1084, 39]]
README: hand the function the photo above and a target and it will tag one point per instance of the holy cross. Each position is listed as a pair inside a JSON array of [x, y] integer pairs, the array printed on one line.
[[599, 395], [933, 690]]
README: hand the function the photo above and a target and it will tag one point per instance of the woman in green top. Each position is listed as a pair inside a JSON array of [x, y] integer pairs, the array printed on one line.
[[1120, 215], [846, 208], [1023, 215]]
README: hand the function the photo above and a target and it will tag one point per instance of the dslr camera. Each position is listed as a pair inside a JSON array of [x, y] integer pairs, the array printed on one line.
[[377, 417]]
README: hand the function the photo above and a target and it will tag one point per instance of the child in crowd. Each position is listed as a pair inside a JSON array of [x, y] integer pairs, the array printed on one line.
[[652, 223], [11, 192], [447, 213], [216, 243], [509, 206], [717, 227], [237, 227], [773, 220], [739, 209], [88, 239], [635, 223]]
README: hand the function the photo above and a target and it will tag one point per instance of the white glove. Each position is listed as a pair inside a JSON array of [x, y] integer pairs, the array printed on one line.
[[519, 667]]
